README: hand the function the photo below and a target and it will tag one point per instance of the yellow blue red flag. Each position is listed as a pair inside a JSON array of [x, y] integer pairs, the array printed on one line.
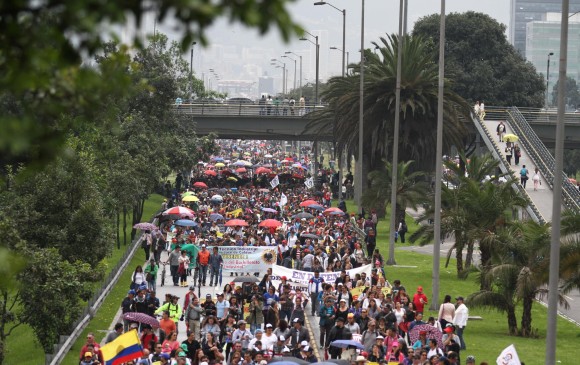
[[124, 348]]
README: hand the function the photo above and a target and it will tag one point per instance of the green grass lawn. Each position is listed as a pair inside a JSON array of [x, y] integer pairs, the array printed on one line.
[[485, 338], [21, 346]]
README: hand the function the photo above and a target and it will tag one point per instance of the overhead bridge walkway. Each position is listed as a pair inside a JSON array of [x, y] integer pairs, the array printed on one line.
[[534, 154]]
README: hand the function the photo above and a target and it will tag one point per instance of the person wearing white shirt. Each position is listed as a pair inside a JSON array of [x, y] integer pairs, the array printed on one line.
[[269, 339], [460, 319], [222, 306]]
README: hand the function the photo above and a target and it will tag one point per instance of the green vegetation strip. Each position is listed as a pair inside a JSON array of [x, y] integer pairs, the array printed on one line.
[[21, 346]]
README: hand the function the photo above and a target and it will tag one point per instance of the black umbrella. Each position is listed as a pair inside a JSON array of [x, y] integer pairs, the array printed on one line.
[[246, 279], [309, 235], [318, 193], [303, 215], [290, 359]]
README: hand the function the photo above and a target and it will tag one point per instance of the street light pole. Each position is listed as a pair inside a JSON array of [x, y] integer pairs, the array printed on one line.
[[438, 164], [554, 280], [191, 59], [548, 80], [289, 52], [343, 11], [395, 163], [317, 61], [359, 183], [293, 59]]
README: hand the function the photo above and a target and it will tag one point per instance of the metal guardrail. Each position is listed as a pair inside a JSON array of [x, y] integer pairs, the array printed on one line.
[[496, 151], [542, 157], [247, 109], [65, 343], [550, 115]]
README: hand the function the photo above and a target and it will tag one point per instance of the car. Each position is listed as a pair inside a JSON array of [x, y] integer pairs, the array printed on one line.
[[235, 101]]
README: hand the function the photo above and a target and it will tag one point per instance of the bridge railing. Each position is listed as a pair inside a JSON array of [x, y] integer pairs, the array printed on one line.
[[541, 156], [246, 109], [504, 166], [532, 115]]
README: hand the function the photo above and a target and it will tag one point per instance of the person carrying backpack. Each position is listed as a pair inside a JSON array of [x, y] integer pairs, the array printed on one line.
[[402, 230]]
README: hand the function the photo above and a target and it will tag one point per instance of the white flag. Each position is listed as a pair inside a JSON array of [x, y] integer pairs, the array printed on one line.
[[309, 183], [283, 200], [275, 182], [509, 356]]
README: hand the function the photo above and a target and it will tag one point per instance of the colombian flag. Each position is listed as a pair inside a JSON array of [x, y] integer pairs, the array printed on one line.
[[124, 348]]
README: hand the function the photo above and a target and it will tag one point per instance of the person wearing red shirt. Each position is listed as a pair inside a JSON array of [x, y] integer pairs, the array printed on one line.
[[90, 342], [419, 299], [203, 261]]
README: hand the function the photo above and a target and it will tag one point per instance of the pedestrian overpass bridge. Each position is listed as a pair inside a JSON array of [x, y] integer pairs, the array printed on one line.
[[249, 121]]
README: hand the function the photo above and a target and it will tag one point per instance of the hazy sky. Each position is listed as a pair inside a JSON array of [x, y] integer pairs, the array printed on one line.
[[381, 17]]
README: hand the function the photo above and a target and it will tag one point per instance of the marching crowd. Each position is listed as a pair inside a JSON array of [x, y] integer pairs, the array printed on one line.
[[258, 318]]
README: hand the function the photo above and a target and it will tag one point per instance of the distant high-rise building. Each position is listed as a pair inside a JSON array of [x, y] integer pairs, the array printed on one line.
[[266, 85], [543, 38], [525, 11]]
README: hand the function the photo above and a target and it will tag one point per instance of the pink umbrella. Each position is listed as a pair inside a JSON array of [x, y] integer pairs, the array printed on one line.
[[210, 173], [270, 223]]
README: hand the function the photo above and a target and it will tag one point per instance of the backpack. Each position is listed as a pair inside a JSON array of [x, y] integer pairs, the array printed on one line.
[[404, 227]]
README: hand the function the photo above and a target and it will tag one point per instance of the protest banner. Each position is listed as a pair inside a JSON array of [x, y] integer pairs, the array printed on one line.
[[301, 278], [247, 259]]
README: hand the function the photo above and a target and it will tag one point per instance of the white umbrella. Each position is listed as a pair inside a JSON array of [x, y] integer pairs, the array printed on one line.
[[217, 198]]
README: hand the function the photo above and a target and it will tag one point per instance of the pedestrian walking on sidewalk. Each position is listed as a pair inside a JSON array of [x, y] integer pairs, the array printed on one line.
[[536, 179], [517, 154], [524, 176], [508, 154], [500, 130]]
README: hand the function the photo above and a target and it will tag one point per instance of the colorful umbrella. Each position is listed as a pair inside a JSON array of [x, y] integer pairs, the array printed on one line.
[[333, 210], [141, 318], [185, 223], [510, 137], [432, 333], [199, 184], [190, 198], [308, 202], [145, 226], [236, 223], [219, 164], [269, 210], [210, 173], [180, 211], [241, 170], [187, 193], [217, 198], [231, 178], [316, 206], [216, 216], [270, 223], [303, 215], [263, 170]]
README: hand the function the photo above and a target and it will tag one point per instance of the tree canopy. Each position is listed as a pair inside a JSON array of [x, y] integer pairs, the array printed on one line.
[[483, 65]]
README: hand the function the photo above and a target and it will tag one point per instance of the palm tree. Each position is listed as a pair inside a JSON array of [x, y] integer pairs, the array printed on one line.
[[570, 252], [411, 188], [418, 105]]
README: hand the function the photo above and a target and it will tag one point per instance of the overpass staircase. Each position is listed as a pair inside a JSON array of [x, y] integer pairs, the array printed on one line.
[[534, 155]]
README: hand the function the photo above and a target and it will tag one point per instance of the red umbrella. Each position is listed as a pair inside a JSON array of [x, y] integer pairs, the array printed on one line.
[[210, 173], [332, 210], [241, 170], [199, 184], [289, 159], [263, 170], [308, 202], [270, 223], [179, 211], [236, 222]]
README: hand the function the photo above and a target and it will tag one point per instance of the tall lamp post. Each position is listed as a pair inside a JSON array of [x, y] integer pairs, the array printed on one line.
[[395, 163], [191, 59], [317, 62], [343, 11], [548, 80], [290, 52], [293, 59], [282, 65]]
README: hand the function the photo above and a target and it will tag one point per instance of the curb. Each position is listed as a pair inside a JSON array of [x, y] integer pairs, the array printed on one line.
[[313, 340]]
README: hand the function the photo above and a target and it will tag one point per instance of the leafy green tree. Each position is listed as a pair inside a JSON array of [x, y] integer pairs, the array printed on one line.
[[412, 189], [480, 60], [572, 93], [43, 43], [51, 294], [419, 90]]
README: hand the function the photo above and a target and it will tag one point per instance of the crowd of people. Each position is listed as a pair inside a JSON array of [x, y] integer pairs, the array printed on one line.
[[254, 323]]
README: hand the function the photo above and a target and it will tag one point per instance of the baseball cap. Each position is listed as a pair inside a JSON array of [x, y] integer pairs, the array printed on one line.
[[203, 363], [281, 338], [304, 343], [343, 300], [448, 329], [419, 288], [296, 320], [131, 292], [241, 321], [88, 354], [181, 354], [379, 337], [166, 356], [306, 348], [350, 315], [283, 278], [208, 295], [220, 294], [268, 325], [203, 245]]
